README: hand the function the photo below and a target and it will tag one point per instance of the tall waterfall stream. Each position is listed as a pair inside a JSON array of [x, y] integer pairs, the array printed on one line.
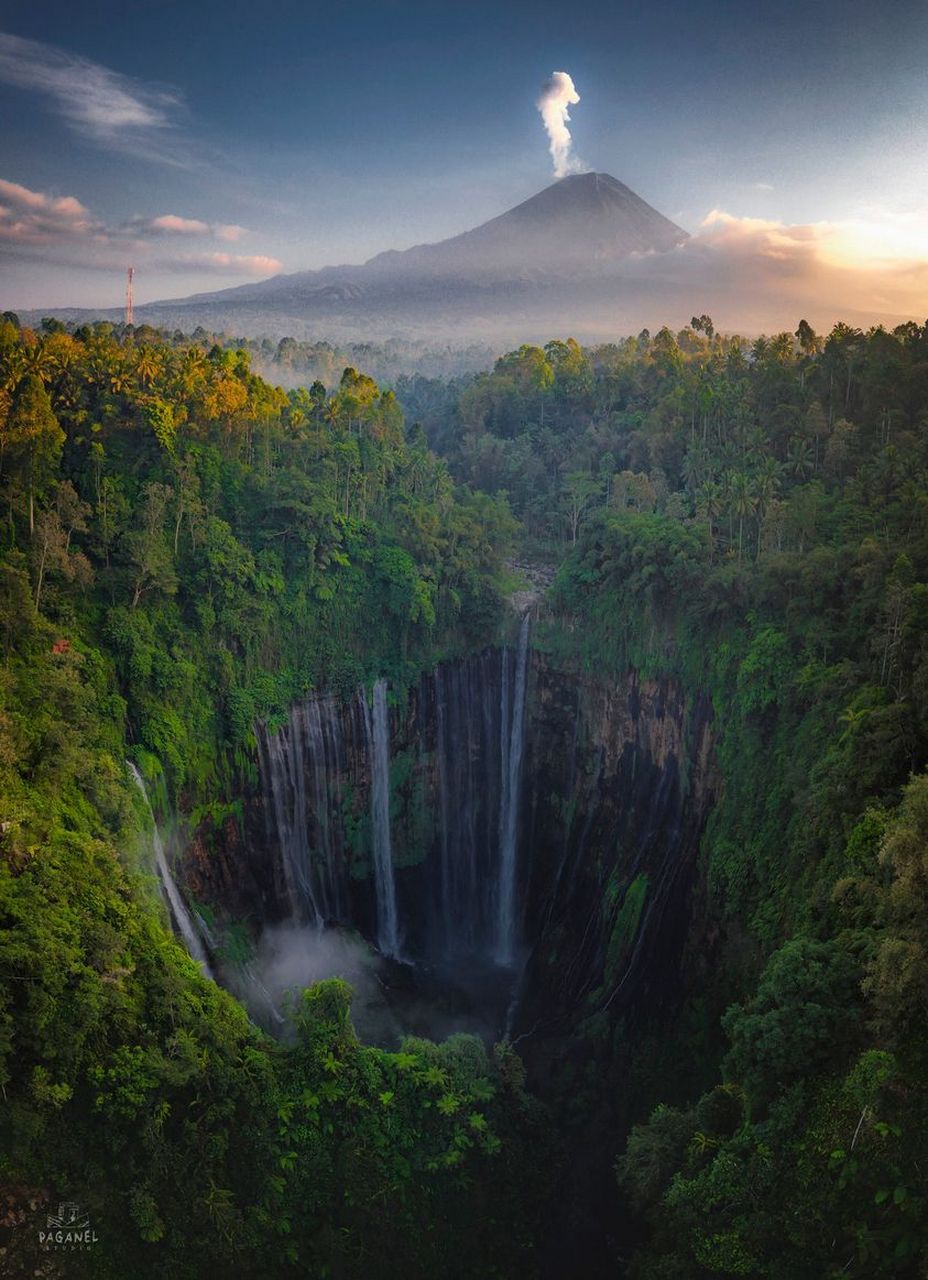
[[378, 736], [180, 914]]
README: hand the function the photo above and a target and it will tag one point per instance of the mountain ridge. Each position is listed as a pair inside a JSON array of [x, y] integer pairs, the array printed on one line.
[[583, 252], [569, 228]]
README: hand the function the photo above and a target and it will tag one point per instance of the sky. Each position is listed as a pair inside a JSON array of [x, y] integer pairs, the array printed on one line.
[[213, 144]]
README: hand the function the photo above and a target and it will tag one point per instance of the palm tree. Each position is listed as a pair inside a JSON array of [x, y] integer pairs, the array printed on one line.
[[147, 366], [710, 503], [193, 370], [695, 465], [119, 379], [780, 348], [754, 444], [743, 501], [766, 486], [37, 359], [799, 458], [14, 369], [810, 344]]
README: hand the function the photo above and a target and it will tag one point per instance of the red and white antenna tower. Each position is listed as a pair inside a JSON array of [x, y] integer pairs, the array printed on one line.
[[129, 275]]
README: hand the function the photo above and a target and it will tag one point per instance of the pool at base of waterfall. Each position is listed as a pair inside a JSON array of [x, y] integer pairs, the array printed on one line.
[[393, 998]]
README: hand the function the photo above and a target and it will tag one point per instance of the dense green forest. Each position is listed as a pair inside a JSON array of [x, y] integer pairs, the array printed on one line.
[[187, 549]]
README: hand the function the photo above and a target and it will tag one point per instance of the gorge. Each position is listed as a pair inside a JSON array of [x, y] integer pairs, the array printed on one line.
[[516, 831]]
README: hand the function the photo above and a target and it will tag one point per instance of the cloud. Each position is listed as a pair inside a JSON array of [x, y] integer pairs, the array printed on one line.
[[39, 202], [239, 264], [182, 226], [33, 217], [173, 224], [110, 109], [760, 274], [60, 229], [878, 241]]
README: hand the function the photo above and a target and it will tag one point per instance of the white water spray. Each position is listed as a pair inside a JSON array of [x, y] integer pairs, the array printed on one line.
[[378, 732], [179, 912], [507, 928]]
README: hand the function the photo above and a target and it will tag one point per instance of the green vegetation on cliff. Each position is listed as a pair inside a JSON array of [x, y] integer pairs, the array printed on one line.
[[185, 549], [763, 538]]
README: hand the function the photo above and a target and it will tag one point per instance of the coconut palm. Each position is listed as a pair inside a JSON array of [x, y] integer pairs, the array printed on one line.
[[743, 502], [148, 365], [799, 458], [710, 503], [767, 481]]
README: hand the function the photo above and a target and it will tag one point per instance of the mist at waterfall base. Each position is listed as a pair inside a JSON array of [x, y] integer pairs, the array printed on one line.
[[391, 999], [455, 971], [291, 957]]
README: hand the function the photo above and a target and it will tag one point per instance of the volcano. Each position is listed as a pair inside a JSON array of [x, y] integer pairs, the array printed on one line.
[[572, 227], [520, 275]]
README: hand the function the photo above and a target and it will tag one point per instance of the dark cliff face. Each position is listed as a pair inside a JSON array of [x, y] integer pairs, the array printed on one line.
[[621, 777], [617, 779]]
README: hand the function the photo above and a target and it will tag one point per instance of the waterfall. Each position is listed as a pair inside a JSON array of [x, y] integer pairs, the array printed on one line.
[[505, 733], [469, 782], [286, 782], [480, 722], [323, 741], [179, 912], [444, 792], [511, 765], [300, 767], [378, 727], [328, 767]]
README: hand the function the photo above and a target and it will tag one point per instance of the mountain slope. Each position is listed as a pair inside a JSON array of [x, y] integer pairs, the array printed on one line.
[[554, 259], [573, 225], [568, 231]]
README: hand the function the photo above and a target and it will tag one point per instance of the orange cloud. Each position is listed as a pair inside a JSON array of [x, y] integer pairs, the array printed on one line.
[[875, 240], [183, 226], [60, 206], [760, 275], [35, 224], [33, 217], [173, 223], [240, 264], [876, 264]]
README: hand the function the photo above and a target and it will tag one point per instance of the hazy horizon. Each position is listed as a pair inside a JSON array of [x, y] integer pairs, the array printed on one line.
[[788, 142]]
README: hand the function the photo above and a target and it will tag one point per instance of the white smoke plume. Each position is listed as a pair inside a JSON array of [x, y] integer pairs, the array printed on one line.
[[557, 94]]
